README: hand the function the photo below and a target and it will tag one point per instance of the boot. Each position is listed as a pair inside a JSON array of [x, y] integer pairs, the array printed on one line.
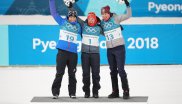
[[126, 94], [86, 95], [114, 95], [125, 88], [115, 89]]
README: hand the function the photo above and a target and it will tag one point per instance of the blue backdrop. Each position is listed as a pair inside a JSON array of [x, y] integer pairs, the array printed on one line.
[[145, 44]]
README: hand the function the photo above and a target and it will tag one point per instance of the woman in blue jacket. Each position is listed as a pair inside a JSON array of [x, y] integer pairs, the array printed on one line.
[[67, 50]]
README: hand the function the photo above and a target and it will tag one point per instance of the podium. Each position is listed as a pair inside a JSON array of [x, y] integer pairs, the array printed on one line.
[[132, 100]]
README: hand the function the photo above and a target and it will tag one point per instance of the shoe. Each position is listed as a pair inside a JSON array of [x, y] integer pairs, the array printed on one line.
[[95, 95], [86, 96], [126, 95], [114, 95], [55, 97], [73, 96]]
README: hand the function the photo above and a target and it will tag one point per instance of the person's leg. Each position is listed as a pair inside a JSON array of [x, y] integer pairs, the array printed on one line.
[[120, 57], [86, 73], [95, 65], [72, 63], [113, 73], [60, 68]]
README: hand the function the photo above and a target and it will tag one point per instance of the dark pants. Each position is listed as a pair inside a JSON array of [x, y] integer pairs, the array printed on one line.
[[65, 58], [91, 60], [116, 59]]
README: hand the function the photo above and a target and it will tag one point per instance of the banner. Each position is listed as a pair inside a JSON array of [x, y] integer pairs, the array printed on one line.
[[145, 44], [140, 8], [4, 56], [157, 8]]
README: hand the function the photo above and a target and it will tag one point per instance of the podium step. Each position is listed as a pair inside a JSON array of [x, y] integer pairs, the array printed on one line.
[[133, 99]]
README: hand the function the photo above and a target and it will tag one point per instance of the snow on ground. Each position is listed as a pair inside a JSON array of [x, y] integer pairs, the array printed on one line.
[[161, 83]]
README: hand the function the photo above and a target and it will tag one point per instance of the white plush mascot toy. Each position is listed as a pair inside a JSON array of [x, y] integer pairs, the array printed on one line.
[[67, 2]]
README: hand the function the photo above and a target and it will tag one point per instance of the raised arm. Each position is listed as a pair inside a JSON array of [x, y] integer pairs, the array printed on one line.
[[120, 18], [54, 13], [70, 8], [80, 21]]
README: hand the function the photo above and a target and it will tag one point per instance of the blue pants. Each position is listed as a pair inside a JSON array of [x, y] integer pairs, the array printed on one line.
[[116, 59], [91, 63]]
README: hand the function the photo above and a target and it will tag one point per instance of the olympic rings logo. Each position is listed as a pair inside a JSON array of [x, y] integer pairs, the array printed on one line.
[[108, 25], [71, 27], [90, 29]]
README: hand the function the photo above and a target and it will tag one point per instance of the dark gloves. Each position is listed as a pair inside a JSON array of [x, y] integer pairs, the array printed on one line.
[[127, 3], [98, 19], [70, 5]]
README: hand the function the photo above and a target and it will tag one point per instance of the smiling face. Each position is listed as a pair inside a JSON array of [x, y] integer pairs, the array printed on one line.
[[72, 14], [105, 12], [72, 19], [105, 16], [92, 19]]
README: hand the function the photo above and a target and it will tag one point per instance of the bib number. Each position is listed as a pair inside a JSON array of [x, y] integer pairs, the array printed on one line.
[[68, 36], [90, 40], [113, 34]]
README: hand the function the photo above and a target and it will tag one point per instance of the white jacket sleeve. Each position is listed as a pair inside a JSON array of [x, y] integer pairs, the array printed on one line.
[[120, 18]]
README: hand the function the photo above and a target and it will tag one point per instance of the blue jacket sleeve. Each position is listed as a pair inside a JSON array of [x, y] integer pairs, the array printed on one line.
[[54, 13]]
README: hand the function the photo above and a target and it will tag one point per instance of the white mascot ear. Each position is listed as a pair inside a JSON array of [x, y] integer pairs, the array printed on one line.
[[67, 2], [120, 1]]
